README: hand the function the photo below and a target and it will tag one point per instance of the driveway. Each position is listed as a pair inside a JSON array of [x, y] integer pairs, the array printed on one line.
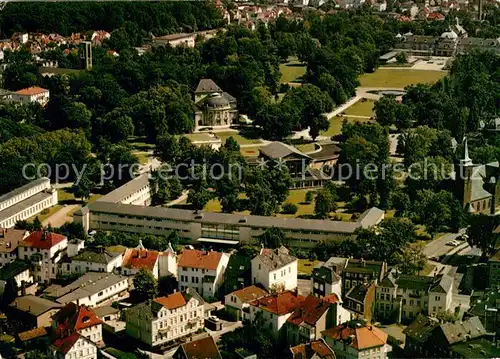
[[438, 246], [61, 216]]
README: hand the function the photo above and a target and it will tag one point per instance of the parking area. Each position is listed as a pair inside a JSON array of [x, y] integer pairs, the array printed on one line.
[[433, 64]]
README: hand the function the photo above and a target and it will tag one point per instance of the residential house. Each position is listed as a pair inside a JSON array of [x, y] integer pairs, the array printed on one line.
[[427, 337], [274, 310], [168, 262], [93, 259], [202, 270], [316, 349], [135, 259], [78, 319], [174, 40], [33, 311], [32, 94], [205, 348], [37, 338], [99, 36], [275, 269], [44, 250], [359, 271], [494, 268], [238, 274], [238, 302], [487, 309], [360, 300], [5, 95], [312, 316], [73, 346], [166, 319], [92, 289], [354, 340], [9, 241], [402, 297], [17, 272], [325, 277]]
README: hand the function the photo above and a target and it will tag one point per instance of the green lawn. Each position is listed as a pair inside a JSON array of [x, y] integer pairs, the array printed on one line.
[[292, 71], [199, 137], [298, 197], [336, 124], [306, 147], [238, 137], [65, 195], [363, 107], [139, 144], [46, 213], [306, 266], [428, 268], [143, 157], [399, 78]]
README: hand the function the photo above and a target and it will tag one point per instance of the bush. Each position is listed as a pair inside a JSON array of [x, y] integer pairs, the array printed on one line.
[[289, 208], [309, 196]]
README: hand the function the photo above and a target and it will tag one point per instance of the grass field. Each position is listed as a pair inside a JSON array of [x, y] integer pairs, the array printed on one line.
[[298, 197], [64, 195], [199, 136], [305, 147], [336, 124], [238, 137], [361, 108], [306, 266], [143, 157], [396, 78], [292, 71], [46, 213]]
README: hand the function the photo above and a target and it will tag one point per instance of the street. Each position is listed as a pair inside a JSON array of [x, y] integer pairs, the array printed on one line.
[[438, 246]]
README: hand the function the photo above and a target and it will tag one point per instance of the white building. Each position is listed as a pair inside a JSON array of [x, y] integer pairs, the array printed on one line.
[[137, 258], [174, 40], [325, 277], [275, 269], [9, 241], [74, 346], [92, 260], [78, 319], [137, 192], [18, 271], [32, 94], [44, 250], [26, 201], [166, 318], [92, 289], [275, 310], [238, 302], [202, 270]]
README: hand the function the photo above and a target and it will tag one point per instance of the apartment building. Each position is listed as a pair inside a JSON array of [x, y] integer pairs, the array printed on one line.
[[44, 250], [26, 201], [403, 297], [17, 272], [275, 269], [9, 241], [238, 302], [78, 319], [92, 289], [357, 341], [202, 271], [135, 192], [93, 259], [325, 277], [166, 319], [74, 346], [32, 94], [275, 310], [174, 40]]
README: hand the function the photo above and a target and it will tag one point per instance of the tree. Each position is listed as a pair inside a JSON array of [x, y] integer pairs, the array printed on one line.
[[401, 58], [385, 110], [481, 232], [309, 196], [167, 285], [324, 204], [116, 126], [145, 285], [83, 187], [446, 316], [413, 258], [272, 238], [77, 115], [35, 354]]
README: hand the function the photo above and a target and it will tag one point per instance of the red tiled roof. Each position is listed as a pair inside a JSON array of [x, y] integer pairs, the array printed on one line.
[[204, 348], [76, 317], [42, 240], [310, 311], [363, 337], [316, 348], [32, 334], [65, 344], [250, 293], [140, 258], [279, 304], [34, 90], [172, 301], [193, 258]]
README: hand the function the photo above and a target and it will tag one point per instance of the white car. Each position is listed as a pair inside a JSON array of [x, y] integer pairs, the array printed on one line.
[[452, 243], [214, 318]]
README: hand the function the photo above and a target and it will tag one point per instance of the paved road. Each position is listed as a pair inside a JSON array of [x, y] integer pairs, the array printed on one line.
[[438, 246], [61, 216]]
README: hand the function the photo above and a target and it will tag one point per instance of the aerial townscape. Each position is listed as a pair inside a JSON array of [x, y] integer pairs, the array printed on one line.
[[298, 179]]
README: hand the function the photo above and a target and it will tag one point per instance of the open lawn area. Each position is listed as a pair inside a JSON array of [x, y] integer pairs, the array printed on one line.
[[193, 137], [306, 147], [238, 137], [298, 197], [46, 213], [143, 157], [396, 78], [306, 266], [336, 124], [139, 144], [65, 195], [363, 107], [292, 71]]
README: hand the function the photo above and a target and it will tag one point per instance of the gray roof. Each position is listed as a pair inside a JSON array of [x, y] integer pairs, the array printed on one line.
[[34, 305], [461, 331], [181, 35], [88, 284], [28, 202], [127, 189], [217, 100], [329, 271], [224, 218], [370, 217], [275, 259], [96, 255], [278, 149], [207, 85], [22, 189], [106, 310], [421, 328]]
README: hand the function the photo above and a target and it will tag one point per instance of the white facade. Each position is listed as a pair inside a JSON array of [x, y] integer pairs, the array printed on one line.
[[274, 322], [348, 352], [24, 276], [26, 201], [93, 333], [30, 95], [83, 267], [81, 349], [167, 264], [283, 277], [45, 262], [92, 298], [439, 301]]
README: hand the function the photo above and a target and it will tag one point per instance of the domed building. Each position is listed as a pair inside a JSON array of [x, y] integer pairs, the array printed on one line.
[[214, 107]]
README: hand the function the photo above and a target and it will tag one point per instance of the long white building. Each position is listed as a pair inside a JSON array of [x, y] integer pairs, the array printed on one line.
[[26, 201]]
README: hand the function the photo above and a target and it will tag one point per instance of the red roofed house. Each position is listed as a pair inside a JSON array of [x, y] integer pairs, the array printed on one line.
[[316, 349], [73, 346], [202, 270], [44, 250], [166, 318], [238, 302], [353, 340], [276, 309], [78, 319], [312, 317], [204, 348], [32, 94], [136, 258]]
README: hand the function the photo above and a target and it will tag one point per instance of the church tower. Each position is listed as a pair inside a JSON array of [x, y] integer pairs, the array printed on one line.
[[464, 176]]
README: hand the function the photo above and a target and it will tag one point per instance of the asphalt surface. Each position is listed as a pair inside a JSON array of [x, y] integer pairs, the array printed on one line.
[[438, 246]]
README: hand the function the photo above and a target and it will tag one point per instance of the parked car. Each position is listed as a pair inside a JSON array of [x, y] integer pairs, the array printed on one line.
[[452, 243]]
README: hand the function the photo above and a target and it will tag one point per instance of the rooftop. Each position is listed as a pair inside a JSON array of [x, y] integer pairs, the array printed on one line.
[[360, 338], [278, 150], [32, 334], [26, 203], [193, 258], [42, 240], [204, 348], [12, 269], [477, 348], [421, 328], [460, 331], [172, 301], [317, 349], [207, 85], [65, 344], [279, 304], [96, 255], [250, 293], [127, 189], [75, 317], [10, 239], [312, 309], [140, 258], [34, 305], [275, 258], [30, 91]]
